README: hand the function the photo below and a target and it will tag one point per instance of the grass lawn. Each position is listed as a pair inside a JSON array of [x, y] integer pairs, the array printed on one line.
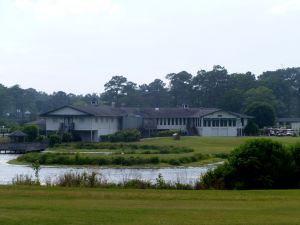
[[205, 145], [51, 206], [210, 145]]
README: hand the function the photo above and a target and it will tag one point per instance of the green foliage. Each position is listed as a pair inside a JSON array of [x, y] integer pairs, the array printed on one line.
[[251, 129], [54, 139], [32, 132], [41, 138], [126, 135], [36, 168], [24, 180], [257, 164], [67, 137], [295, 149], [263, 112], [120, 160], [260, 94], [167, 133], [213, 88]]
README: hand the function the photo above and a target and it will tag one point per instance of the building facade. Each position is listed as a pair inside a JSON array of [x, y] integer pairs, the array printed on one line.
[[291, 123], [90, 122]]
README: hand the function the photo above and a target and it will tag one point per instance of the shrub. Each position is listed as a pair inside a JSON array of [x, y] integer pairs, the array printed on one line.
[[24, 180], [67, 137], [32, 132], [167, 133], [257, 164], [41, 138], [54, 139], [252, 129], [137, 184], [81, 180], [295, 150], [126, 135]]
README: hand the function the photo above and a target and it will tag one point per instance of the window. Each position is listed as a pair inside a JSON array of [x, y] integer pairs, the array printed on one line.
[[208, 122], [165, 121], [234, 123], [169, 121], [180, 121], [173, 122], [176, 121], [215, 122]]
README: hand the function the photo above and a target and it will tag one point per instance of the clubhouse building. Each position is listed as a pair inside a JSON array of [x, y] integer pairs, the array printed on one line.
[[90, 122]]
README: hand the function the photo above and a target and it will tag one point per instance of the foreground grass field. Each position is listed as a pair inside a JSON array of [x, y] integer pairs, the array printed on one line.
[[52, 206]]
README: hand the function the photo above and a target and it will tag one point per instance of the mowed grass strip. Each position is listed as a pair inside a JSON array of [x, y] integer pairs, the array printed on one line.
[[211, 145], [81, 206], [204, 145]]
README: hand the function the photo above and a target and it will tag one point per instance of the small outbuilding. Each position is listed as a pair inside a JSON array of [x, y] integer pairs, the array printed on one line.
[[18, 137]]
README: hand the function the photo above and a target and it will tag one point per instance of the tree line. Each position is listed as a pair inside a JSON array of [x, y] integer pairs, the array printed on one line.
[[279, 90]]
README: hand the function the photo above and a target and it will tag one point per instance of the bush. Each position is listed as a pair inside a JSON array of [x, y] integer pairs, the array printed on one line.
[[126, 135], [167, 133], [81, 180], [24, 180], [252, 129], [54, 139], [67, 137], [295, 149], [257, 164], [32, 132]]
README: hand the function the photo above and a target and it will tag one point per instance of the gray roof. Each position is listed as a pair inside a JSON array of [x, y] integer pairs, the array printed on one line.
[[18, 134], [287, 120], [104, 111]]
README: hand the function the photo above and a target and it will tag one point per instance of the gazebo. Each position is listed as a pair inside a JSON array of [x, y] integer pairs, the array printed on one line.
[[18, 137]]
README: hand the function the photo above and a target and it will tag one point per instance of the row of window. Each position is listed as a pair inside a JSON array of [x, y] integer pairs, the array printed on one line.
[[219, 122], [179, 121], [82, 119], [197, 122]]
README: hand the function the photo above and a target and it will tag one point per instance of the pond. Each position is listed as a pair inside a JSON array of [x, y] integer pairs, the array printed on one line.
[[188, 175]]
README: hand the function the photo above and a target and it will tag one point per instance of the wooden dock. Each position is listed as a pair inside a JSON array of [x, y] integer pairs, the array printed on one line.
[[21, 148]]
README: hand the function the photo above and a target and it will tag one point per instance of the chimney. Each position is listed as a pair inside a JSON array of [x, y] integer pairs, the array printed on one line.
[[94, 102]]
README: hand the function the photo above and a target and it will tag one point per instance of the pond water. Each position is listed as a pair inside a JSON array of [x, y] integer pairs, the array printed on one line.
[[187, 175]]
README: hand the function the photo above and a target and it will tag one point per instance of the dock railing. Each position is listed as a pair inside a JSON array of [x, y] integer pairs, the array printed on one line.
[[22, 148]]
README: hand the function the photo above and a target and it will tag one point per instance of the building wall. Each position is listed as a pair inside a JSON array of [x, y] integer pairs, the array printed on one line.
[[109, 125], [218, 130], [103, 125], [229, 129], [295, 125]]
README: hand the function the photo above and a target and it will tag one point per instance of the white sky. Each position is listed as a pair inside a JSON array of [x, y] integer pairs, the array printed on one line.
[[78, 45]]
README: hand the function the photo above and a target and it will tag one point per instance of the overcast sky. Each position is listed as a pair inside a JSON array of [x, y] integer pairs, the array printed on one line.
[[78, 45]]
